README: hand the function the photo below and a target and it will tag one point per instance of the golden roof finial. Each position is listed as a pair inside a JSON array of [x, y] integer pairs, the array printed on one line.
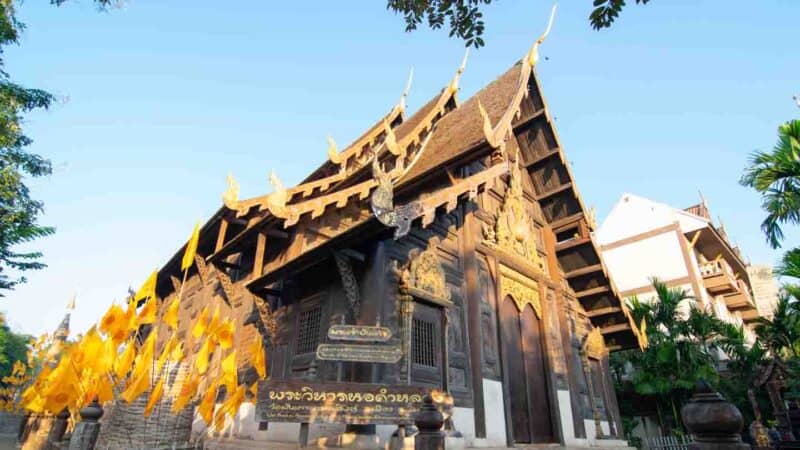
[[402, 103], [591, 218], [391, 140], [488, 130], [532, 57], [276, 201], [333, 152], [230, 198], [71, 303], [454, 84]]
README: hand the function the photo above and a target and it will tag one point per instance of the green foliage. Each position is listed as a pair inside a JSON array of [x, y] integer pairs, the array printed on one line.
[[18, 211], [790, 264], [13, 347], [774, 174], [465, 19], [607, 11], [781, 334]]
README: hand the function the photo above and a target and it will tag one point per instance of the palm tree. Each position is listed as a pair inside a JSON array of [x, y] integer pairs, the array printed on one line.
[[776, 176], [790, 264], [781, 334]]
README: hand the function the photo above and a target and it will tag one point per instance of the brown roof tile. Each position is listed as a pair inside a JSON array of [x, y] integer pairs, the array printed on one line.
[[461, 129]]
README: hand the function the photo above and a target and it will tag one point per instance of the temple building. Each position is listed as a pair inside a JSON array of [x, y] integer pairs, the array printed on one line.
[[446, 249], [642, 239]]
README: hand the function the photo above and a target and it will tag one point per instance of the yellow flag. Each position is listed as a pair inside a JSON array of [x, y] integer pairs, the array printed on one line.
[[188, 389], [171, 316], [148, 313], [113, 322], [130, 315], [137, 385], [201, 362], [148, 289], [225, 333], [102, 389], [206, 407], [257, 359], [214, 323], [166, 352], [191, 248], [230, 376], [123, 364], [155, 396], [201, 324]]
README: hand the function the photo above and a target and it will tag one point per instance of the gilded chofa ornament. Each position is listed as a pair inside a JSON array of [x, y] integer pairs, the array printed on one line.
[[513, 230], [521, 289], [594, 346], [425, 273]]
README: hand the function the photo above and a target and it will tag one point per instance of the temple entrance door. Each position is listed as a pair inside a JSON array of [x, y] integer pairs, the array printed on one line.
[[526, 374]]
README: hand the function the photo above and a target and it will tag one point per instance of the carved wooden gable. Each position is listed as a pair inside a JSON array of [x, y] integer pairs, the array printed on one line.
[[425, 276], [514, 232]]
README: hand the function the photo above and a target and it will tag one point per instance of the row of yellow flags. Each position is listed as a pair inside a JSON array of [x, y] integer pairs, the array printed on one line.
[[111, 361]]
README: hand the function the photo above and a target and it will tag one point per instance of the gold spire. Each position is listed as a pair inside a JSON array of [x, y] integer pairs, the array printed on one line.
[[276, 201], [532, 57], [454, 84], [333, 152], [230, 198], [496, 135], [71, 303], [391, 140], [488, 130], [401, 105]]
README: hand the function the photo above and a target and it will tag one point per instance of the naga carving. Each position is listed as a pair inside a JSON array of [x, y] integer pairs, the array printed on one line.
[[382, 202], [349, 282]]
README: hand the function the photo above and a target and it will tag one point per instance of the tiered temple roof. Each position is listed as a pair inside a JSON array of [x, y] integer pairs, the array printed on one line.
[[439, 138]]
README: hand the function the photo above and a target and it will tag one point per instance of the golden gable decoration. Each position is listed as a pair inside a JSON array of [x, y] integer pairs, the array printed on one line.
[[425, 275], [594, 345], [513, 230], [521, 289]]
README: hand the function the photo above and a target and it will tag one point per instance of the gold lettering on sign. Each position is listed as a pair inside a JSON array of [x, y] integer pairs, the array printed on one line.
[[521, 289], [513, 230], [426, 274]]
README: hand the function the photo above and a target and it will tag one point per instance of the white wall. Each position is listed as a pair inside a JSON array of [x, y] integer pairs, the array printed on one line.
[[634, 265]]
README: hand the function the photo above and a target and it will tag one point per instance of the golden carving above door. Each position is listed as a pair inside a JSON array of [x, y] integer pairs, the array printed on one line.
[[513, 231], [521, 289], [424, 274]]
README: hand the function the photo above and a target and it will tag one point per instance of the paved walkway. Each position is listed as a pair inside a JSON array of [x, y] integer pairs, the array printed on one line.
[[8, 442]]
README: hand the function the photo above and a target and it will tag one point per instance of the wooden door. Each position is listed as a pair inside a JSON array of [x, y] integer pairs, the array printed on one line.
[[536, 376], [526, 375], [515, 371]]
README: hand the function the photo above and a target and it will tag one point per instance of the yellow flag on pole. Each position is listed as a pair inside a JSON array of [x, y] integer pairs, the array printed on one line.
[[155, 397], [148, 289], [171, 316], [191, 248]]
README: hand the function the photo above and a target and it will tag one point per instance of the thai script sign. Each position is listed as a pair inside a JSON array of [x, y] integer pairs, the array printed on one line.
[[359, 333], [359, 353], [346, 403]]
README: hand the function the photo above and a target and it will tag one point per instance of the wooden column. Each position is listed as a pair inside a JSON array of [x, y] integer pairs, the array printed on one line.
[[473, 301], [223, 229], [258, 261]]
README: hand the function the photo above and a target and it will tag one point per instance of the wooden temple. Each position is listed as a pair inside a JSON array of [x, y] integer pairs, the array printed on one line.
[[445, 250]]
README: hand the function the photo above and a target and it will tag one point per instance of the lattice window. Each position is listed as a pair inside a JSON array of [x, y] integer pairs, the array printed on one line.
[[308, 330], [423, 343]]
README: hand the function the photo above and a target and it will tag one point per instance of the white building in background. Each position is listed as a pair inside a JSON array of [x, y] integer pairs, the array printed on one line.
[[642, 239]]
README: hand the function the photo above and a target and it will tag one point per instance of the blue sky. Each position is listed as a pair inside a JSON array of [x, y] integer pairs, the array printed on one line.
[[160, 100]]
